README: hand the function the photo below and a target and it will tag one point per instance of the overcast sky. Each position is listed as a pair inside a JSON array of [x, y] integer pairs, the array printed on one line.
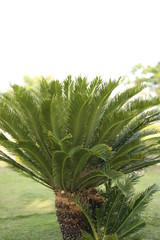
[[87, 37]]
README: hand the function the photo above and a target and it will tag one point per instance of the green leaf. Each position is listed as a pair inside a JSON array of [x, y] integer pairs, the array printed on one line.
[[30, 112], [98, 107], [59, 158], [81, 164], [37, 155], [86, 236], [112, 237], [102, 151], [137, 206], [21, 169], [95, 178]]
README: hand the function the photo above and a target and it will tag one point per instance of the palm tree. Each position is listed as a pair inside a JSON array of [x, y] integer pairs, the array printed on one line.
[[74, 136], [119, 216]]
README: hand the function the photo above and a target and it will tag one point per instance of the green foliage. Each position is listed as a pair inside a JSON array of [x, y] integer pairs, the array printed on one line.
[[27, 209], [149, 74], [77, 135], [120, 214], [33, 208]]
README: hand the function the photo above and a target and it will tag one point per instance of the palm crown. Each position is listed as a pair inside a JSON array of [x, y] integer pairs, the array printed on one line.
[[76, 135]]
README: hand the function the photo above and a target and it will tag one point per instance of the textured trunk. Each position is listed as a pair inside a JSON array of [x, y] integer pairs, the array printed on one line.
[[69, 217]]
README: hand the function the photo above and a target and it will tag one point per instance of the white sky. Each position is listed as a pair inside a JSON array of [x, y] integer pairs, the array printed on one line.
[[87, 37]]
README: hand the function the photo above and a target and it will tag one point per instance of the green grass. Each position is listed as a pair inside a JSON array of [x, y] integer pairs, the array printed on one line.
[[27, 210], [152, 212]]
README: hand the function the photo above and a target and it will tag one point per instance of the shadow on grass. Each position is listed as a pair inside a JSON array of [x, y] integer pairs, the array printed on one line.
[[32, 227], [28, 216]]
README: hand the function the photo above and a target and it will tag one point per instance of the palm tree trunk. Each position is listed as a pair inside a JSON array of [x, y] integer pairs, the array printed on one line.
[[69, 217]]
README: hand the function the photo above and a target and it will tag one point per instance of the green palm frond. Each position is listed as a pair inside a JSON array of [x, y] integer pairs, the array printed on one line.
[[96, 178], [115, 109], [79, 108], [127, 183], [25, 159], [68, 87], [13, 164], [37, 155], [11, 122], [79, 168], [119, 215], [86, 236], [130, 225], [58, 163], [136, 124], [98, 107], [102, 151], [75, 132], [30, 114]]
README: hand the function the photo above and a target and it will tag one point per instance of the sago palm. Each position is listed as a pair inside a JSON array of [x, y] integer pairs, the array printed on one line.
[[76, 135], [119, 216]]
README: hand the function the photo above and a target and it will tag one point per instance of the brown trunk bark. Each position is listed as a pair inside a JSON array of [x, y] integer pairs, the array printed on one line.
[[69, 217]]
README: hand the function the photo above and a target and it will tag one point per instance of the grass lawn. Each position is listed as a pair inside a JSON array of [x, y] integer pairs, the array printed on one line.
[[152, 212], [27, 209]]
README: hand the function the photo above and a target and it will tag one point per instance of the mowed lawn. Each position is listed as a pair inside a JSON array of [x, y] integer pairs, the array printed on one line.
[[27, 210]]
